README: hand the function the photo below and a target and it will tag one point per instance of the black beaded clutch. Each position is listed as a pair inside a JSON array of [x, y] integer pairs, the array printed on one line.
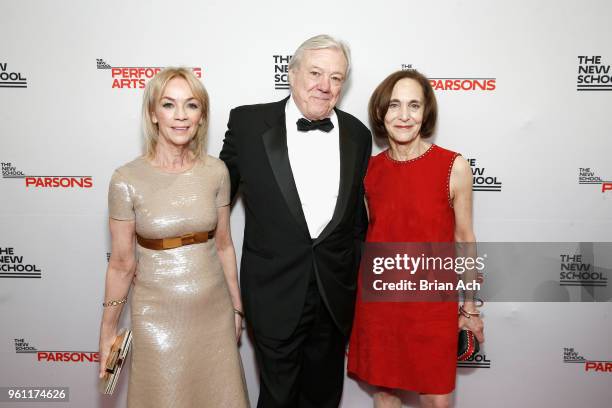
[[468, 345]]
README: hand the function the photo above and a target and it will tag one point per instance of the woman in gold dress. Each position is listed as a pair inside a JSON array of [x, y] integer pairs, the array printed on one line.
[[169, 222]]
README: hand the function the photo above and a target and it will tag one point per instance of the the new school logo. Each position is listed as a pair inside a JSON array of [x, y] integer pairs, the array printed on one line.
[[478, 360], [281, 71], [570, 356], [593, 74], [13, 266], [133, 77], [9, 171], [576, 271], [62, 356], [588, 176], [10, 78], [483, 181]]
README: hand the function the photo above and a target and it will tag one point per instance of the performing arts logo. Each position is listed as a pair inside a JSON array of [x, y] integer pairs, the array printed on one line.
[[588, 176], [134, 77], [11, 79], [593, 74], [483, 181], [61, 356], [570, 356], [9, 171], [575, 271], [281, 71], [478, 360], [13, 266]]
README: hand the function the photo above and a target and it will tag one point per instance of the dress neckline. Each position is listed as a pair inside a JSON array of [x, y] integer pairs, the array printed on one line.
[[196, 162], [388, 156]]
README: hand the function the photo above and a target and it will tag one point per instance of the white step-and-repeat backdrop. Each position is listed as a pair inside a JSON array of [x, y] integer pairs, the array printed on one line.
[[524, 90]]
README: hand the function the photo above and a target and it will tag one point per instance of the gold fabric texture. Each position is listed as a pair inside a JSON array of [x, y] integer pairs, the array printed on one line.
[[184, 348]]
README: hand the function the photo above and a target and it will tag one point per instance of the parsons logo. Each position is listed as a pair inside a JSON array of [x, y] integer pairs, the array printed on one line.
[[458, 84], [134, 77], [24, 347], [570, 356], [463, 84], [9, 171], [588, 176]]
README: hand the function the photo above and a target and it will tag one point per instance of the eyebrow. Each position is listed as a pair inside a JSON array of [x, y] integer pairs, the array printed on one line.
[[410, 101], [172, 99], [321, 69]]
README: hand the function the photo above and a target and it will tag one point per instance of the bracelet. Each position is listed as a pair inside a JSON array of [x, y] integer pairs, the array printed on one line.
[[467, 314], [463, 312], [239, 312], [114, 302]]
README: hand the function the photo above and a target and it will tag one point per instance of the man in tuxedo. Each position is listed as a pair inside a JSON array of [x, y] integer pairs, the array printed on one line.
[[300, 163]]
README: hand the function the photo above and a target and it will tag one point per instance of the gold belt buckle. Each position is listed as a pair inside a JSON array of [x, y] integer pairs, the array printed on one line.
[[188, 239]]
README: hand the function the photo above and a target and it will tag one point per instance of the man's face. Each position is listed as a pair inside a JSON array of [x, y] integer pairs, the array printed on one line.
[[317, 81]]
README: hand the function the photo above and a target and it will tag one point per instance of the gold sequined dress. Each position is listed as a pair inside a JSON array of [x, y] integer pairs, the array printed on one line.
[[184, 347]]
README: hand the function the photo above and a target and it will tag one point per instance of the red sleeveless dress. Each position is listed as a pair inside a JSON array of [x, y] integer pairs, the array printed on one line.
[[407, 345]]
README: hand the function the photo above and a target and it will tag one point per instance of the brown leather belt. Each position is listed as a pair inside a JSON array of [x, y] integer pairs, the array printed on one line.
[[169, 243]]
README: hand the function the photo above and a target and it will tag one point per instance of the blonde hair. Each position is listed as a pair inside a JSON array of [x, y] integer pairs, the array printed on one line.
[[152, 95]]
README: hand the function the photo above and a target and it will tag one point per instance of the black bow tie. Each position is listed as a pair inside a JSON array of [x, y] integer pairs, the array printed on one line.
[[304, 125]]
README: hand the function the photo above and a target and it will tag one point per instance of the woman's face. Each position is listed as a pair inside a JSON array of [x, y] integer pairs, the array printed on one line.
[[178, 114], [405, 112]]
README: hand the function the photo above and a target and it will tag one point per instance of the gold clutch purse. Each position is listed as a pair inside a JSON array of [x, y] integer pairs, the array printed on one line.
[[114, 363]]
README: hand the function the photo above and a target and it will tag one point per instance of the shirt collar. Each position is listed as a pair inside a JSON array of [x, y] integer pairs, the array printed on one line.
[[292, 113]]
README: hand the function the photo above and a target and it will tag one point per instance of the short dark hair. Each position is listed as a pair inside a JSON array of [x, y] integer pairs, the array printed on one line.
[[379, 103]]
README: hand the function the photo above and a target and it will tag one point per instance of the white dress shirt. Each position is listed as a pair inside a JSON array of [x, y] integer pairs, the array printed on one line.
[[315, 163]]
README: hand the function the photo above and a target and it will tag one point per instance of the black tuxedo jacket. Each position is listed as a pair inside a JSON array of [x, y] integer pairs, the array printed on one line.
[[278, 254]]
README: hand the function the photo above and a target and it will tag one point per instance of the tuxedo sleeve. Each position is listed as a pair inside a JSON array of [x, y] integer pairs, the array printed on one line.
[[361, 215], [229, 154]]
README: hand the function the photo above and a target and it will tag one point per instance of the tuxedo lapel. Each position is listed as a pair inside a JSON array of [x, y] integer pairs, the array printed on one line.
[[348, 172], [275, 143]]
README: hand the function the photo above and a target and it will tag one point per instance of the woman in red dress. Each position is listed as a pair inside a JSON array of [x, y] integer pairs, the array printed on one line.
[[415, 192]]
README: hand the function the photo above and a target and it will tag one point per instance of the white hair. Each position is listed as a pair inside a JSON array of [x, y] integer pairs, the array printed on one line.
[[319, 42]]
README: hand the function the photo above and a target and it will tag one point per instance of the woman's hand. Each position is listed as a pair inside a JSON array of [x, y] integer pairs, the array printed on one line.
[[238, 322], [227, 256], [119, 276], [106, 342], [474, 324]]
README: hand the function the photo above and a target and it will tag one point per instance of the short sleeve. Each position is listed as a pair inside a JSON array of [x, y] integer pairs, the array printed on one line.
[[120, 206], [223, 193]]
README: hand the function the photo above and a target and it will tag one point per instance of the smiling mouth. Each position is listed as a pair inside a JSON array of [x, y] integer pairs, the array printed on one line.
[[181, 128]]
